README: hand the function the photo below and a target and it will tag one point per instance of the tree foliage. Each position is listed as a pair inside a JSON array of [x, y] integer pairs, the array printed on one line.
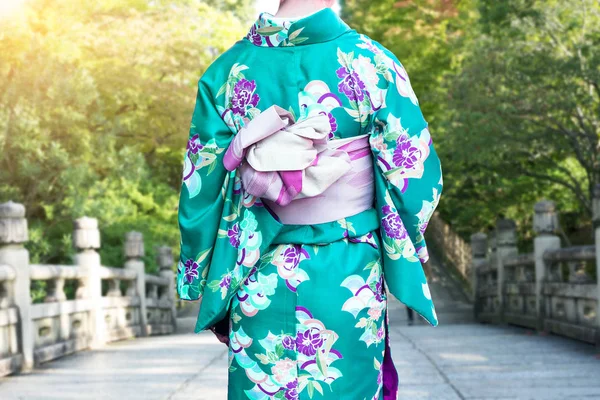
[[95, 103], [527, 100], [515, 86]]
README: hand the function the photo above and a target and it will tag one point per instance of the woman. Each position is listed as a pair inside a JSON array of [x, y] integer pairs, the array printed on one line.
[[309, 177]]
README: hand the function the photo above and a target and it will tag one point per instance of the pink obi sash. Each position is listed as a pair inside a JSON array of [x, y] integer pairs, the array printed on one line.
[[303, 177]]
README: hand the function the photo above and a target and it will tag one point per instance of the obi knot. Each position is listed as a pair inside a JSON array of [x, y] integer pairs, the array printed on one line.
[[281, 160]]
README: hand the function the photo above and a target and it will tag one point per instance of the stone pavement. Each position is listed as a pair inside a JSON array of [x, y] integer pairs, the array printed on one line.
[[459, 359], [453, 361]]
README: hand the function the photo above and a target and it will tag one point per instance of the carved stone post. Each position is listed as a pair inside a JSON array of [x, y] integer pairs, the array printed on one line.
[[134, 251], [479, 248], [165, 262], [86, 239], [545, 225], [506, 246], [596, 218], [13, 233]]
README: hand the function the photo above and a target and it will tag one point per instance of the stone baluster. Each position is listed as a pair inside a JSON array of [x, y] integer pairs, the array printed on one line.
[[134, 251], [165, 263], [86, 239], [506, 246], [114, 288], [152, 291], [545, 225], [13, 234], [479, 249], [55, 290], [596, 219], [6, 294]]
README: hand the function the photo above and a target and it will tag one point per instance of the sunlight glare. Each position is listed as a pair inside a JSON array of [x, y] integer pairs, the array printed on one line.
[[7, 7]]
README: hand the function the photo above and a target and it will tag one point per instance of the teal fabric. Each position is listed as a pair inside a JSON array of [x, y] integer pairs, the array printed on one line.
[[242, 262], [310, 323]]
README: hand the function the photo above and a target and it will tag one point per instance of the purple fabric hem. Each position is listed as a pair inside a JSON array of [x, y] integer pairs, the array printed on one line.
[[390, 375]]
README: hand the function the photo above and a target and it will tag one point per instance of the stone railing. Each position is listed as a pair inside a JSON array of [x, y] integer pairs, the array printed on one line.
[[109, 303], [551, 289], [454, 249]]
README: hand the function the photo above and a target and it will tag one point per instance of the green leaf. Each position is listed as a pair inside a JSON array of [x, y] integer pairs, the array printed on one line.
[[279, 349], [194, 158], [291, 111], [231, 217], [269, 30], [215, 285], [317, 386], [280, 395], [299, 40], [322, 363], [222, 90], [202, 256], [263, 359], [311, 389], [295, 34]]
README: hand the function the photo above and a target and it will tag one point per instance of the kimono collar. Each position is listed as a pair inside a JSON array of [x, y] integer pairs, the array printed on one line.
[[321, 26]]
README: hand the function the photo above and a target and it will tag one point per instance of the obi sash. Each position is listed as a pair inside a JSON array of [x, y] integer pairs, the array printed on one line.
[[302, 176]]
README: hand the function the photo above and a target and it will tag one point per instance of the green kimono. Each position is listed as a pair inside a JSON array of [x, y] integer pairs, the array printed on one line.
[[305, 305]]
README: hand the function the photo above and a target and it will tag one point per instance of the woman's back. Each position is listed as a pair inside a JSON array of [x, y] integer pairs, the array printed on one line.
[[313, 66], [309, 177]]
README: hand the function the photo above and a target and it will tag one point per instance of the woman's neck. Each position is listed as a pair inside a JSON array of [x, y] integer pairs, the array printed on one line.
[[296, 9]]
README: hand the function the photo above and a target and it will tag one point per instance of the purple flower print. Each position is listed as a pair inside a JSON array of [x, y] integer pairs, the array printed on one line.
[[234, 235], [380, 333], [379, 289], [308, 342], [254, 36], [226, 282], [250, 277], [406, 155], [191, 271], [332, 123], [292, 390], [288, 342], [351, 85], [291, 255], [423, 227], [194, 145], [244, 96], [392, 224], [334, 126], [372, 47]]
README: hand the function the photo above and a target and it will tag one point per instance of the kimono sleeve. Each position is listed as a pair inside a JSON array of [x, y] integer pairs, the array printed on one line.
[[408, 187], [201, 200]]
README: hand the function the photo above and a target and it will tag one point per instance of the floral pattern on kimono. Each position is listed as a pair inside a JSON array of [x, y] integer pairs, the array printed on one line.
[[314, 343], [266, 32], [359, 78], [367, 294], [232, 251], [198, 156], [317, 98], [287, 259]]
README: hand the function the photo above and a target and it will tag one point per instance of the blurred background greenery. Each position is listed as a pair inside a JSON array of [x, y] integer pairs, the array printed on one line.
[[96, 99]]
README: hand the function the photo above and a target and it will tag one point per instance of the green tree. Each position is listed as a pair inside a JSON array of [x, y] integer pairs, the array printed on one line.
[[425, 35], [95, 103], [511, 91], [526, 103]]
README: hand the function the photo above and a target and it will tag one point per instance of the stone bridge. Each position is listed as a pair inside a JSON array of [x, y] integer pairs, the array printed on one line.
[[481, 352]]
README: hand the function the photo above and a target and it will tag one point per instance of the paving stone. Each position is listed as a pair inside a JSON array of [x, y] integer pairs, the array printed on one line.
[[466, 361]]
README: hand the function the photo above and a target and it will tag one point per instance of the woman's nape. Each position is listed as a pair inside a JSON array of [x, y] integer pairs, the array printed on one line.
[[300, 8]]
